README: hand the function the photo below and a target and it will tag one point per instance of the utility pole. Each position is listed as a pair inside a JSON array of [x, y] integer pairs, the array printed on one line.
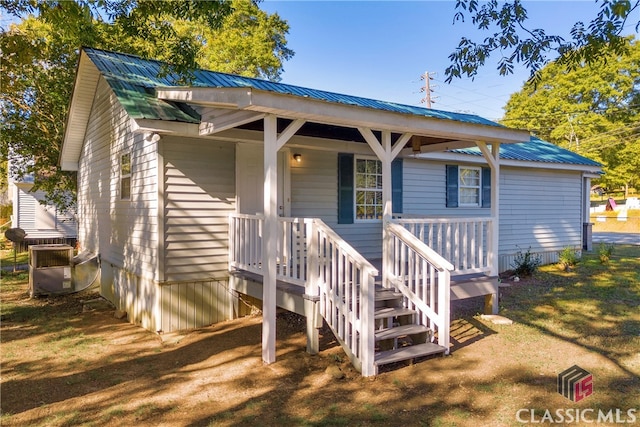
[[427, 89]]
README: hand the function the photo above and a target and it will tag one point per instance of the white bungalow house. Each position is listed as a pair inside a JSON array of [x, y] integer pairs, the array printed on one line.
[[367, 214]]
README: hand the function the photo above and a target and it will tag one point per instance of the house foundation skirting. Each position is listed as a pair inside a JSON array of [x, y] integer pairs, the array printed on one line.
[[169, 306], [546, 257]]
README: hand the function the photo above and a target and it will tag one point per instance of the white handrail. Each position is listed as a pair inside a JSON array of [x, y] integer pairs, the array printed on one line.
[[417, 245], [424, 279]]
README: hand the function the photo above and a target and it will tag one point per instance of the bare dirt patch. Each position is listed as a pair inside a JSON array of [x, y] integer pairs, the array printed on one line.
[[62, 366]]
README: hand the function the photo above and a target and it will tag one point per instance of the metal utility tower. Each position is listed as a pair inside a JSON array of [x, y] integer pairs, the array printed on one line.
[[427, 89]]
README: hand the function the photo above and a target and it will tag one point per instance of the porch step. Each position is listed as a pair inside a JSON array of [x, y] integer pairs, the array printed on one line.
[[400, 331], [386, 312], [406, 353], [387, 295]]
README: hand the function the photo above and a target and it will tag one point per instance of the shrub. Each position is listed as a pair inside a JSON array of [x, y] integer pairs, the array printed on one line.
[[604, 252], [525, 264], [567, 258]]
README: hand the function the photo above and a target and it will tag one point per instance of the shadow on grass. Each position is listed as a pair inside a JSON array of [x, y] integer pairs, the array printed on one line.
[[595, 306]]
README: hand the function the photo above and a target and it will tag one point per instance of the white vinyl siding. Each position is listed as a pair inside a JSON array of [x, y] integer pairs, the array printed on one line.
[[540, 209], [199, 179], [124, 233]]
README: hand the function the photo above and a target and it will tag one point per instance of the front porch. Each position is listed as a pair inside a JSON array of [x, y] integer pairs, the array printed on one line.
[[378, 318]]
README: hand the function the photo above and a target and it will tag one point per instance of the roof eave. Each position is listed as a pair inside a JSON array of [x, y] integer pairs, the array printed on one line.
[[479, 159], [84, 87], [319, 111]]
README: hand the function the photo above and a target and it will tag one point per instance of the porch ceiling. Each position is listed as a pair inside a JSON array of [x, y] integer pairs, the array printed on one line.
[[343, 133]]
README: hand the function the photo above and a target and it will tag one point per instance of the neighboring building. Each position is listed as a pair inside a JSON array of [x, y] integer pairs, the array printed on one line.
[[43, 223], [191, 195]]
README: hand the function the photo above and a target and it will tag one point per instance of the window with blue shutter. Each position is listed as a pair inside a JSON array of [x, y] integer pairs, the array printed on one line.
[[468, 186]]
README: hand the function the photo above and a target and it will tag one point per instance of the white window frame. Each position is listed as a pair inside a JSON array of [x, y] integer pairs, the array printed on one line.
[[477, 188], [125, 175], [376, 190]]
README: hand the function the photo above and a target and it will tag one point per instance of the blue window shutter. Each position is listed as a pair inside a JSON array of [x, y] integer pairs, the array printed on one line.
[[396, 185], [345, 188], [486, 187], [452, 186]]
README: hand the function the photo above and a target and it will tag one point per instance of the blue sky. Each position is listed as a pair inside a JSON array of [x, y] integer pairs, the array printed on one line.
[[379, 49]]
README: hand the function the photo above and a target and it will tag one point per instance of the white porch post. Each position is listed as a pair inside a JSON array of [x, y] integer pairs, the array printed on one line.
[[495, 209], [386, 153], [387, 207], [269, 236], [493, 159]]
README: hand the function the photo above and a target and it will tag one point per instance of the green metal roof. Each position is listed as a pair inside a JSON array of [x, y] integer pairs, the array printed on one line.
[[133, 79], [535, 150]]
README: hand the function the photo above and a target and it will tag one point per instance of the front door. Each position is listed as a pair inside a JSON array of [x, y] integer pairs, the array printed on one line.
[[250, 180]]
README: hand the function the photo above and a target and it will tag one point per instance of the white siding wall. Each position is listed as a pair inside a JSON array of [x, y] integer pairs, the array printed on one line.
[[199, 196], [540, 209], [124, 232]]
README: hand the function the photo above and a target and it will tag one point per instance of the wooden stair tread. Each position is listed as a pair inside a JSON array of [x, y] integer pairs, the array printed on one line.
[[386, 312], [399, 331], [385, 295], [405, 353]]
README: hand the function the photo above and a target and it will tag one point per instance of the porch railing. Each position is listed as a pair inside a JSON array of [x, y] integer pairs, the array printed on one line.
[[424, 278], [245, 246], [464, 242], [311, 254]]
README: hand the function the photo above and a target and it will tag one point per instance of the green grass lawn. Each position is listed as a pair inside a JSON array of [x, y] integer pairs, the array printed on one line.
[[6, 257]]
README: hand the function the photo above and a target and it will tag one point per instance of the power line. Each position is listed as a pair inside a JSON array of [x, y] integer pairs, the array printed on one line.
[[562, 113]]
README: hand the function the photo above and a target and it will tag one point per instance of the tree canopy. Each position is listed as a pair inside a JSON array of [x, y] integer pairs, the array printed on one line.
[[39, 55], [510, 37], [592, 110]]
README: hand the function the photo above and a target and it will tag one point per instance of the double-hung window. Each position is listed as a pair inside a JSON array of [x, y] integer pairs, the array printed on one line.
[[368, 189], [469, 186], [125, 176]]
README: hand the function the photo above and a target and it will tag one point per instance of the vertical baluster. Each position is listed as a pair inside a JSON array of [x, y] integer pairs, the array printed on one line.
[[481, 240], [465, 242]]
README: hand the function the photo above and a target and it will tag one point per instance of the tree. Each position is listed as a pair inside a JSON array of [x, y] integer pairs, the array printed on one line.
[[593, 110], [39, 56], [517, 43]]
